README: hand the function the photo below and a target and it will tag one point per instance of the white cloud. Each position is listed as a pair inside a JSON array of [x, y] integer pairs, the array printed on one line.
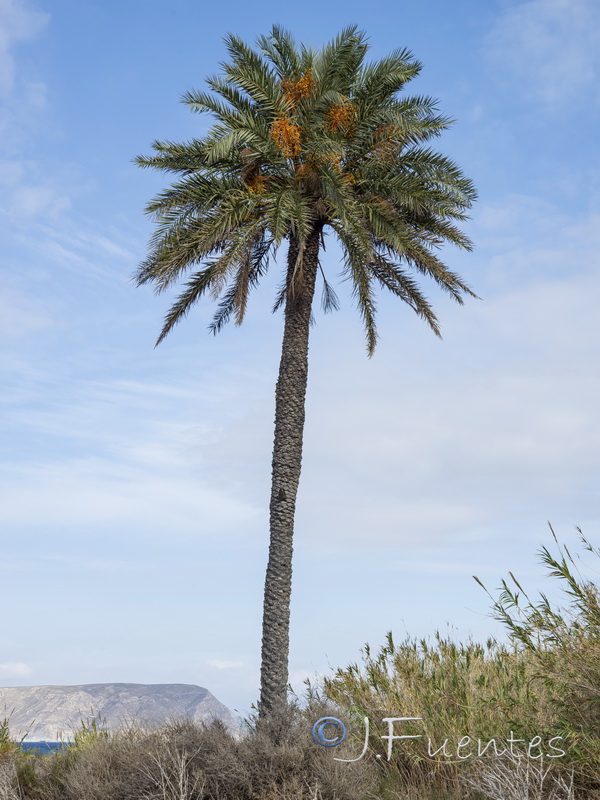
[[18, 22], [114, 463], [14, 669], [551, 47], [498, 422], [219, 664], [93, 493], [21, 315], [30, 189], [453, 457], [32, 201], [80, 248], [31, 196]]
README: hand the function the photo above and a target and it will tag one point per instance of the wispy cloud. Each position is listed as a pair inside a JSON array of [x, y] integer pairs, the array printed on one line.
[[21, 314], [14, 669], [34, 190], [39, 564], [81, 248], [435, 443], [105, 469], [35, 198], [550, 47], [19, 21], [221, 664], [93, 493]]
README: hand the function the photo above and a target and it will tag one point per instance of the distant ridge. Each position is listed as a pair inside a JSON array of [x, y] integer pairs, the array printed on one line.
[[52, 713]]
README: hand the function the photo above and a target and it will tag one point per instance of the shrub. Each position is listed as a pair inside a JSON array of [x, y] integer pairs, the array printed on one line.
[[185, 761]]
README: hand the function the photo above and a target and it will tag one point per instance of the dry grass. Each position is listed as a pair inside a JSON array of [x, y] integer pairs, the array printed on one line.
[[184, 761], [521, 779]]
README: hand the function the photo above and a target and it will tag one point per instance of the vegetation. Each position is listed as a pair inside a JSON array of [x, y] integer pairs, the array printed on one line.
[[543, 682], [306, 143], [7, 746], [183, 761]]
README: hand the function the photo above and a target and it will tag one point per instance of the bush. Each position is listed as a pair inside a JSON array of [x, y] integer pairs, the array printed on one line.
[[185, 761]]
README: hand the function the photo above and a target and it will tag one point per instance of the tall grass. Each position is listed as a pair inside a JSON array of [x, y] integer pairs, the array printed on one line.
[[544, 681], [562, 645]]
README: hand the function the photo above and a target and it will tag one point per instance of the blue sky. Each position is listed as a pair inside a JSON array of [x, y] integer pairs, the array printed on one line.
[[134, 482]]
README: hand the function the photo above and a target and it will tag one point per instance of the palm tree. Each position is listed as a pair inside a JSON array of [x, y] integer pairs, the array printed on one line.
[[305, 142]]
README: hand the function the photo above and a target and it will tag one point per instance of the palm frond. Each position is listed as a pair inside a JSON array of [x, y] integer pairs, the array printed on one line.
[[358, 254], [195, 288], [173, 157], [339, 61], [281, 50], [250, 72], [400, 284], [251, 268]]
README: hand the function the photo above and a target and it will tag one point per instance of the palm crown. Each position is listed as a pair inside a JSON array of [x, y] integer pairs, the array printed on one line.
[[307, 138]]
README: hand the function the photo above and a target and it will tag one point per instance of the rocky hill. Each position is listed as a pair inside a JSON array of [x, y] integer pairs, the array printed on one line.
[[51, 713]]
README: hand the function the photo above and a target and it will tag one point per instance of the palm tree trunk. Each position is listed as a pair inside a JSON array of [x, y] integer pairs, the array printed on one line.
[[287, 461]]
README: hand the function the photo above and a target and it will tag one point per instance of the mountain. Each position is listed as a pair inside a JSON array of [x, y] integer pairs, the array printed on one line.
[[52, 713]]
